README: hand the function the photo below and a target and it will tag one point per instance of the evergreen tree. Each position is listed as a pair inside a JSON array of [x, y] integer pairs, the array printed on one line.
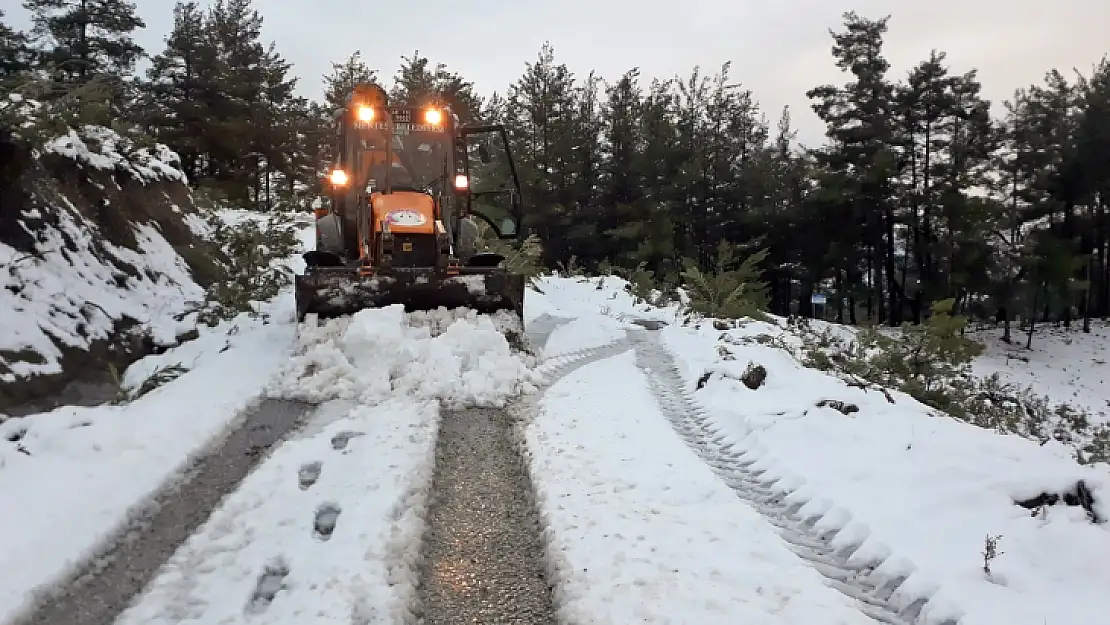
[[87, 38], [181, 85], [858, 115], [417, 85], [15, 51], [343, 78]]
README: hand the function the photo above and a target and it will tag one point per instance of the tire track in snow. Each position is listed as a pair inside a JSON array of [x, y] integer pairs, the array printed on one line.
[[484, 554], [104, 585], [877, 595]]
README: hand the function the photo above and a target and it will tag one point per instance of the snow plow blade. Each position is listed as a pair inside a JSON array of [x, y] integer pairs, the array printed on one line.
[[330, 292]]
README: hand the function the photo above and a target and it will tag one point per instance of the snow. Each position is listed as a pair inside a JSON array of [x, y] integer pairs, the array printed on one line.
[[577, 297], [583, 333], [363, 572], [110, 151], [458, 357], [78, 472], [85, 468], [75, 295], [1064, 365], [78, 286], [921, 492], [641, 531], [639, 527], [386, 372]]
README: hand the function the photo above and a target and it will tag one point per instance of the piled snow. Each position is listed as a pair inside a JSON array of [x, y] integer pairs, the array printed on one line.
[[607, 296], [1068, 366], [924, 489], [363, 573], [457, 357], [641, 530], [69, 477]]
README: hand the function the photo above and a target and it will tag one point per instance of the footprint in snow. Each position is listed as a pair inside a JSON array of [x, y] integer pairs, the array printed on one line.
[[308, 474], [270, 582], [326, 517], [340, 440]]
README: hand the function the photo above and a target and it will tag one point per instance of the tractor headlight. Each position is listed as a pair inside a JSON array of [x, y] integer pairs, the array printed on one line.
[[433, 116], [365, 113], [338, 177], [461, 182]]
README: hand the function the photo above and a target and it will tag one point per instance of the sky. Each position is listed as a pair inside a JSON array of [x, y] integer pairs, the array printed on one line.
[[778, 48]]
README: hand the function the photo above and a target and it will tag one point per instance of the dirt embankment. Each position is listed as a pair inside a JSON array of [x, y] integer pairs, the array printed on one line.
[[99, 257]]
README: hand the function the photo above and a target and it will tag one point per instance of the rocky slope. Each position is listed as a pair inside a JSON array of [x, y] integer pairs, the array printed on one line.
[[100, 259]]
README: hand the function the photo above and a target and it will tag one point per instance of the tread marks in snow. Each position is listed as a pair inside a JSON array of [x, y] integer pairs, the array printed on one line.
[[473, 570], [877, 594]]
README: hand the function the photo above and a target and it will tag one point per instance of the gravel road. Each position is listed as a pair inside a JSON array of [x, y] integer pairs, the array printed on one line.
[[483, 558], [106, 585]]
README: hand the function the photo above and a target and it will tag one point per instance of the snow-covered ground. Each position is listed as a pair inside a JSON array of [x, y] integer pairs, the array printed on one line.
[[920, 493], [73, 474], [641, 529], [1067, 366], [649, 518]]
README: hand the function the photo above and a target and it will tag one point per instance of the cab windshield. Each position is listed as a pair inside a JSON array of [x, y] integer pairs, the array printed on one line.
[[420, 159]]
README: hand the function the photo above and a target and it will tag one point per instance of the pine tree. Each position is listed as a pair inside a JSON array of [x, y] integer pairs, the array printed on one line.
[[859, 126], [540, 114], [15, 51], [417, 85], [87, 38], [343, 78], [181, 86]]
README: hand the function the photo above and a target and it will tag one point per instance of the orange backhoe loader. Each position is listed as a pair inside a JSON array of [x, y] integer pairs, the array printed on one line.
[[399, 228]]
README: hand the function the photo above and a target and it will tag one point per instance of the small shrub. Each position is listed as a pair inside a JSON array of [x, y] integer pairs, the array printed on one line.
[[990, 552], [645, 288], [570, 269], [754, 376], [733, 290], [159, 377], [255, 272]]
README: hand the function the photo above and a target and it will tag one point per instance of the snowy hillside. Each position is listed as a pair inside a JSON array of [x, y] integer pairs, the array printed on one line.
[[686, 474], [99, 259]]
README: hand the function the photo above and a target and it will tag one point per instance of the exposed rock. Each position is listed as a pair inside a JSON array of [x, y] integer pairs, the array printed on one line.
[[1080, 496], [843, 408]]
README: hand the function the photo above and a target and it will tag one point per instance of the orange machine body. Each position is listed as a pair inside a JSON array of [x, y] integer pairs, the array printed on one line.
[[403, 212]]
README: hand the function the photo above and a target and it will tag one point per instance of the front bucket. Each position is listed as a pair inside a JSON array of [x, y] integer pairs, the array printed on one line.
[[338, 291]]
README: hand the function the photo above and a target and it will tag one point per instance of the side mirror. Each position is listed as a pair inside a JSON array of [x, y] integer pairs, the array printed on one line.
[[483, 154], [508, 227]]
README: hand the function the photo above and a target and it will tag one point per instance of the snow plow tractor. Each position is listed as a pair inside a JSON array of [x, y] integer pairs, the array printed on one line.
[[399, 224]]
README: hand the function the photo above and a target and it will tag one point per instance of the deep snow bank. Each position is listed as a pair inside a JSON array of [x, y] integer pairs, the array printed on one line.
[[97, 258]]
